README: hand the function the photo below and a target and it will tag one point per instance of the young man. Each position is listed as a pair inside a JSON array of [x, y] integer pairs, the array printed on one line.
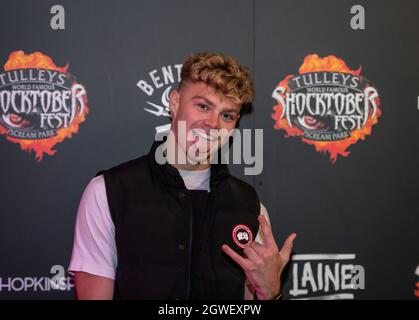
[[183, 229]]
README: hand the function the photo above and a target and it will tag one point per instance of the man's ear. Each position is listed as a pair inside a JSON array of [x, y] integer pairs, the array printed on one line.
[[174, 102]]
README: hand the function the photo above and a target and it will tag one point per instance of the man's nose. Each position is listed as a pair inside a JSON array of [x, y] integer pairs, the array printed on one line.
[[212, 120]]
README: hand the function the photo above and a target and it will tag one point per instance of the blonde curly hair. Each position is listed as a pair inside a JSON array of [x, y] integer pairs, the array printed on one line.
[[221, 72]]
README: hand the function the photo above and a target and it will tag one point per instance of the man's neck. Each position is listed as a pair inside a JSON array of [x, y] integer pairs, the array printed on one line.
[[191, 167]]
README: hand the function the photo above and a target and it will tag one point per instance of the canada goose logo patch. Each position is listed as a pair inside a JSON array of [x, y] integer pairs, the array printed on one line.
[[242, 235]]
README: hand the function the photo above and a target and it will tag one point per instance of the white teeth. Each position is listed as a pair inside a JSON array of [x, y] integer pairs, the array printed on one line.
[[203, 135]]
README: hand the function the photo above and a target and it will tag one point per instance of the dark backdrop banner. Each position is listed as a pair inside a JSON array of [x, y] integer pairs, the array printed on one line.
[[345, 181]]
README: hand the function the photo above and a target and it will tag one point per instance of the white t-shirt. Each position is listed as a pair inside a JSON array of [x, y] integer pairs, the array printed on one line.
[[94, 248]]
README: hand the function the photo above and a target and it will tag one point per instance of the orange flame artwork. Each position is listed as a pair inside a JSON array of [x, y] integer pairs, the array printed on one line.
[[41, 104], [327, 105]]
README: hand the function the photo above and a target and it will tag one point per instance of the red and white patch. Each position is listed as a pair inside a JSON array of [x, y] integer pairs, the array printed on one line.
[[242, 235]]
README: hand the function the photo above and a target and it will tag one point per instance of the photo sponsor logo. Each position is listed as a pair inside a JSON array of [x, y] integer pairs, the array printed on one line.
[[41, 104], [327, 105], [325, 276], [157, 86], [57, 281]]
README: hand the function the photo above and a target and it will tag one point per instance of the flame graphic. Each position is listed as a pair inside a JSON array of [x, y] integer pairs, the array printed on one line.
[[313, 63], [37, 60]]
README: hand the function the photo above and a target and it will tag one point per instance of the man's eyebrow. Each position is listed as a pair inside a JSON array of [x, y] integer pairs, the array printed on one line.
[[212, 103], [230, 110], [204, 98]]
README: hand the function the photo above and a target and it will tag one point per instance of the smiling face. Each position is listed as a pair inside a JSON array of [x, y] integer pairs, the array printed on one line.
[[204, 112]]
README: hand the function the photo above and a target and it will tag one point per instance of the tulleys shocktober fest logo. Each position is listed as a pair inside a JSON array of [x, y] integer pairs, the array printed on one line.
[[327, 105], [40, 104]]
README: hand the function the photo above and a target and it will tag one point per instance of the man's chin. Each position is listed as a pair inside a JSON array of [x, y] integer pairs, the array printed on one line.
[[202, 157]]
